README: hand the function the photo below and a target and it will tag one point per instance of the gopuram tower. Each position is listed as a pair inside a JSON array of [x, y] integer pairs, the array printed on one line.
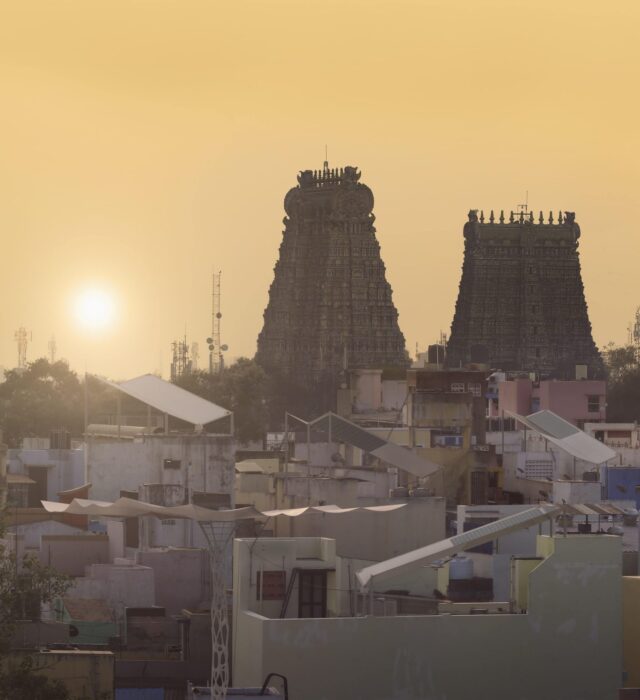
[[521, 302], [330, 306]]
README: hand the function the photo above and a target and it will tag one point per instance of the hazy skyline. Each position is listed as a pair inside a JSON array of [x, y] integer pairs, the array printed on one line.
[[146, 144]]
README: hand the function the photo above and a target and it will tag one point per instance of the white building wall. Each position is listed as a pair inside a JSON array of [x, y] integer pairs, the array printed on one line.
[[568, 646], [120, 585], [65, 468], [206, 464]]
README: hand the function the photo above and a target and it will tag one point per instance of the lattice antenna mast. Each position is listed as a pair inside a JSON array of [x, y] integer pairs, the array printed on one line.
[[216, 348], [195, 355], [634, 333], [53, 348], [22, 338], [180, 362]]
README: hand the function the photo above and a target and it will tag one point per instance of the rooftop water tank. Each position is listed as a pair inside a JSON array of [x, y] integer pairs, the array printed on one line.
[[460, 568]]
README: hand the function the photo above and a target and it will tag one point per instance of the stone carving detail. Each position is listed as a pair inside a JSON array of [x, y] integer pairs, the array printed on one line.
[[330, 305], [521, 297]]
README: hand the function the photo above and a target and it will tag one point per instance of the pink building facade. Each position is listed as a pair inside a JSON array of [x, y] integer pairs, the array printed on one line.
[[579, 402]]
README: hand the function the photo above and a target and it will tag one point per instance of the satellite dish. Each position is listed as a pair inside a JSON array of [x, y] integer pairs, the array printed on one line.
[[224, 347], [209, 340], [218, 315], [211, 347]]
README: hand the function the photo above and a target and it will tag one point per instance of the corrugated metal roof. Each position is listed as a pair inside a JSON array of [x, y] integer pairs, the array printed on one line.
[[171, 399], [566, 436], [389, 569]]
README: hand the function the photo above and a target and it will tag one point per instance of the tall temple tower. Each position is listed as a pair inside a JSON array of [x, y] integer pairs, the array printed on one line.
[[330, 306], [521, 302]]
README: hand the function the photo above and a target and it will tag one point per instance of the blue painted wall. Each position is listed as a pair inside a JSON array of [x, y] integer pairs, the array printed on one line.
[[621, 482]]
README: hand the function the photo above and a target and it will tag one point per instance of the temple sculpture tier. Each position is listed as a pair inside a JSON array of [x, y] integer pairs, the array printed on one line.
[[330, 306], [521, 303]]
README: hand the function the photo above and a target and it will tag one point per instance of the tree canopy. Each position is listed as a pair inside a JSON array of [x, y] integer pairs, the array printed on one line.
[[623, 389], [242, 387], [43, 397], [24, 586]]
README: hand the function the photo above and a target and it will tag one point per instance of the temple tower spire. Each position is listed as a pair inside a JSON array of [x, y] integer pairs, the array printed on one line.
[[330, 305]]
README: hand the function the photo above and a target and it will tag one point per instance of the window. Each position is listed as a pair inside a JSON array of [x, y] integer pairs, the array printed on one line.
[[593, 404], [537, 352], [475, 389], [457, 387], [171, 463]]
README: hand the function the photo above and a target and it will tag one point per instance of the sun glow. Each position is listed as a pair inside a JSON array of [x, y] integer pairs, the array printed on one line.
[[94, 309]]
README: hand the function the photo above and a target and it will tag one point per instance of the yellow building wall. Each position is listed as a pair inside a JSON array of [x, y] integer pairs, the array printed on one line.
[[631, 631], [521, 570]]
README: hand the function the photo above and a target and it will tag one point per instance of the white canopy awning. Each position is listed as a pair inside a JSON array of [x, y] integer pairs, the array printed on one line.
[[566, 436], [170, 399], [385, 572], [130, 508]]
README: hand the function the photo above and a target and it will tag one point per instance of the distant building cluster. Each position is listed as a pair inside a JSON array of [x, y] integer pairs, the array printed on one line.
[[402, 525]]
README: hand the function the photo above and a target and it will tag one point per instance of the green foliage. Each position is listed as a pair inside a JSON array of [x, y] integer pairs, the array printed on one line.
[[41, 398], [24, 585], [23, 682], [620, 361], [623, 389], [242, 388]]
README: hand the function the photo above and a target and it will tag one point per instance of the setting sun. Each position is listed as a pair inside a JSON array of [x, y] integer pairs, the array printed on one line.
[[94, 309]]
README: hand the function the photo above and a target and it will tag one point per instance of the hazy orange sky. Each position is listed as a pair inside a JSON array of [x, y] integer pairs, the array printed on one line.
[[145, 143]]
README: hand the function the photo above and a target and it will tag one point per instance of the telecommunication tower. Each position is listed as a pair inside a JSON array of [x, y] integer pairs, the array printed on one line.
[[195, 355], [634, 332], [22, 338], [216, 348], [52, 349], [180, 362]]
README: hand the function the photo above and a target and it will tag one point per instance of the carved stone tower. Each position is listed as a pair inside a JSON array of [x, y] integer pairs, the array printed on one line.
[[521, 302], [330, 305]]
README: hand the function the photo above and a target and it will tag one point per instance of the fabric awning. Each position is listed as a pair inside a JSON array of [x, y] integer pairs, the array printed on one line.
[[130, 508]]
